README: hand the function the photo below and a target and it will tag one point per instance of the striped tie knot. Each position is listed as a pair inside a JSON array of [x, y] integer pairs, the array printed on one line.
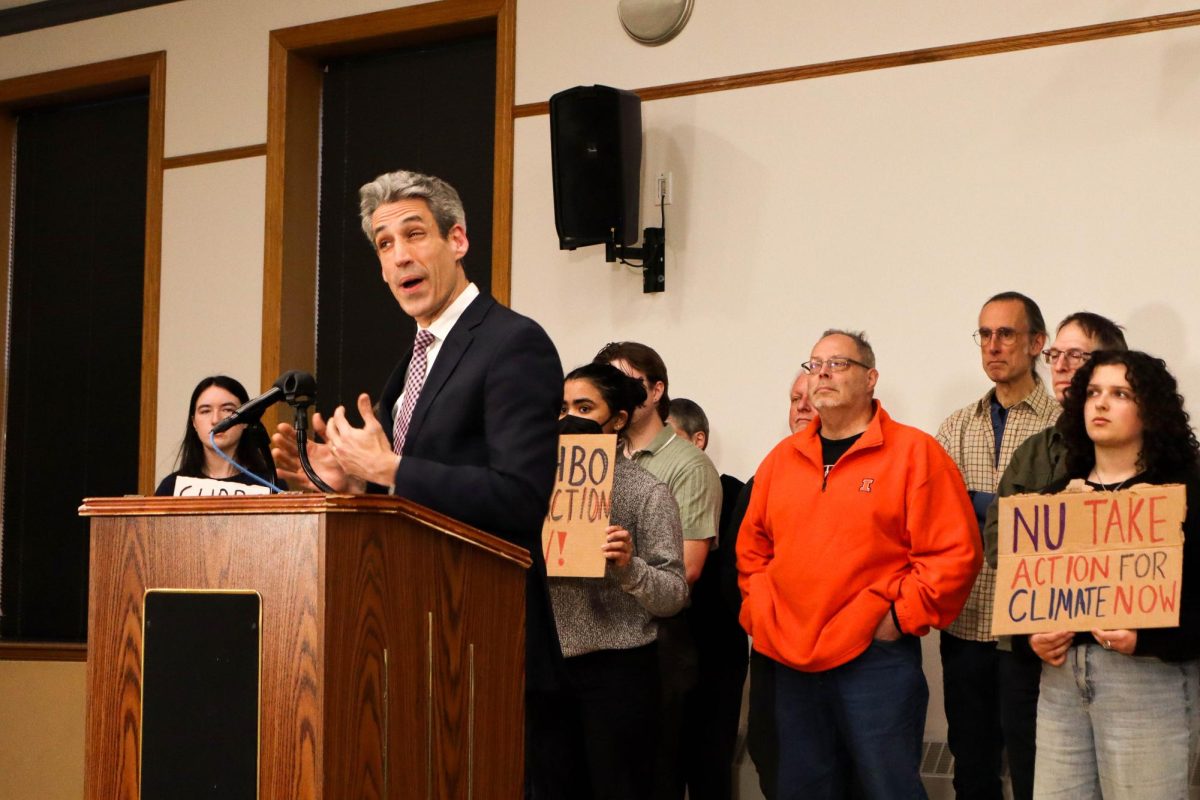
[[413, 382]]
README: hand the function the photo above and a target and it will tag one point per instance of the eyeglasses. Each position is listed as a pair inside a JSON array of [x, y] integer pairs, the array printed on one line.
[[1001, 335], [838, 364], [1074, 357]]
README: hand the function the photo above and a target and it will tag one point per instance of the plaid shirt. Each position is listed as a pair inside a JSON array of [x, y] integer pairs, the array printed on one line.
[[968, 437]]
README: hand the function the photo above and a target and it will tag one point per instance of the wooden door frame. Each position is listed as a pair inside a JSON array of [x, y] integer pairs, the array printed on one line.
[[293, 153], [145, 72]]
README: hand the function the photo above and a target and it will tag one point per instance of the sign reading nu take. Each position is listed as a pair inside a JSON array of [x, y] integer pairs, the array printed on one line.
[[1080, 560]]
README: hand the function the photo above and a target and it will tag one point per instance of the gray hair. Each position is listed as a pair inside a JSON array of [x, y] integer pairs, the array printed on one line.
[[442, 199], [866, 353], [689, 415]]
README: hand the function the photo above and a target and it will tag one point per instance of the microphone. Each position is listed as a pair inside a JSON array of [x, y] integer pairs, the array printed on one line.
[[294, 386], [299, 388]]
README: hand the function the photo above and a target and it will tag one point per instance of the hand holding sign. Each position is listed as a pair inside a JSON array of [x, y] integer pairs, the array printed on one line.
[[618, 548], [1052, 647], [576, 533], [1122, 641]]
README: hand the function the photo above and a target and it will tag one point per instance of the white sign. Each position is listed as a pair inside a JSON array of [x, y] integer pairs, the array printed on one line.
[[207, 487]]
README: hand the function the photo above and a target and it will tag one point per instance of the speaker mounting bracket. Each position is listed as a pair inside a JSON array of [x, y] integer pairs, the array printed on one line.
[[652, 254]]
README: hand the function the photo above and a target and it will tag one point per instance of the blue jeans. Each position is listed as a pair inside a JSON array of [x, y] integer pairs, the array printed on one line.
[[871, 708], [1116, 726]]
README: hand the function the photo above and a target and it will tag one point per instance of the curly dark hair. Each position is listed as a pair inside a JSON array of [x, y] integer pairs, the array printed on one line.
[[620, 392], [1168, 441]]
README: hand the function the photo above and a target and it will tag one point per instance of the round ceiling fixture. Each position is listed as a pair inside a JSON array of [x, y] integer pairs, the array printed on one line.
[[653, 21]]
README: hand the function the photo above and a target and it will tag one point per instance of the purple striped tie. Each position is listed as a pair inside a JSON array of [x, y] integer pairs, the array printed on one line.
[[413, 382]]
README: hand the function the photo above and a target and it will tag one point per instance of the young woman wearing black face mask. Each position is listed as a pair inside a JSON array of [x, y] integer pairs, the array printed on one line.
[[607, 625]]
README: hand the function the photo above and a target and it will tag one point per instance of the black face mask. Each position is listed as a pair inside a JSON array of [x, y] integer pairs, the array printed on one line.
[[571, 424]]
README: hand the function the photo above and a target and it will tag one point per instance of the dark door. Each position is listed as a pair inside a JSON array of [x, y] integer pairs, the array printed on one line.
[[429, 109]]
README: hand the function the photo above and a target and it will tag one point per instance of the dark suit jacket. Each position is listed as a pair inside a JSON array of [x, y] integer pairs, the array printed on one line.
[[729, 536], [482, 446]]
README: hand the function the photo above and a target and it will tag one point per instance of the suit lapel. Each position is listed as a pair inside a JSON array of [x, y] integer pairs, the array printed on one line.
[[449, 354]]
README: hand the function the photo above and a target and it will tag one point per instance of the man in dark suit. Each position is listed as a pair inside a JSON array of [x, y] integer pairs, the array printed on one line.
[[467, 421]]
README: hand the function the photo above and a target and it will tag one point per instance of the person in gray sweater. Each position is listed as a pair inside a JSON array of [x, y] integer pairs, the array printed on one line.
[[607, 625]]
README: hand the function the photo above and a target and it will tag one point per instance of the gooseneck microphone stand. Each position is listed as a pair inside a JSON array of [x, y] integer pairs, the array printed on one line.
[[301, 426], [299, 390]]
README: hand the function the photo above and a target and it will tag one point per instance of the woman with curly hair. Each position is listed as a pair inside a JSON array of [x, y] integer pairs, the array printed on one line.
[[1119, 710]]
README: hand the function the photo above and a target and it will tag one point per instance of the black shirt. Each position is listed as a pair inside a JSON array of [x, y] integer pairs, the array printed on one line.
[[833, 449]]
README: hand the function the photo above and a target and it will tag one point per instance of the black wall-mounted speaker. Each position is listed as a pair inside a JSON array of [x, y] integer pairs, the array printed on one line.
[[596, 150]]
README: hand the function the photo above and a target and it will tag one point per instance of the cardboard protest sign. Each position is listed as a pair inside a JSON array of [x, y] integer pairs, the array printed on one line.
[[1081, 560], [573, 532], [207, 487]]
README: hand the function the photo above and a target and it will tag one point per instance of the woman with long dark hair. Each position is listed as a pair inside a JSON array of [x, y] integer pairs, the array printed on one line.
[[214, 399], [607, 625], [1119, 710]]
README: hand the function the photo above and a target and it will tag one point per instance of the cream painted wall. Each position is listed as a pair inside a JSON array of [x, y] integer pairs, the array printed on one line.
[[41, 738], [564, 44], [895, 201], [905, 150], [216, 59], [211, 307]]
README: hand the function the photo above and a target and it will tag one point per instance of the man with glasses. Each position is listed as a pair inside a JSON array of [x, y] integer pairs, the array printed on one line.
[[859, 538], [1039, 461], [981, 438]]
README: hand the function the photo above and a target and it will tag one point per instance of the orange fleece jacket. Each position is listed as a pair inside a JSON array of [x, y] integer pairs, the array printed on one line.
[[820, 561]]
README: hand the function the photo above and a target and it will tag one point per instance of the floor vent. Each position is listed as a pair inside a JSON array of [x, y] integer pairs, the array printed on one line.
[[936, 760]]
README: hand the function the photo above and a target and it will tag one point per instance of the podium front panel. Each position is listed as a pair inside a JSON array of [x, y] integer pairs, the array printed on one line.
[[392, 642], [200, 695]]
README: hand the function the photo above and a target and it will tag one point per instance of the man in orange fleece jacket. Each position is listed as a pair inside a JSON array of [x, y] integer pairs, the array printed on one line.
[[858, 539]]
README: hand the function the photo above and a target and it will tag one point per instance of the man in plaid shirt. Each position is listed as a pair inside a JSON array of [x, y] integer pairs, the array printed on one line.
[[981, 438]]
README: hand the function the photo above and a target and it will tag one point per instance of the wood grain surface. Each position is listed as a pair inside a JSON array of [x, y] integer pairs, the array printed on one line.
[[360, 596]]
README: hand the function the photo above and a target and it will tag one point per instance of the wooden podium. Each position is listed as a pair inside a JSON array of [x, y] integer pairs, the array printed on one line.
[[391, 644]]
